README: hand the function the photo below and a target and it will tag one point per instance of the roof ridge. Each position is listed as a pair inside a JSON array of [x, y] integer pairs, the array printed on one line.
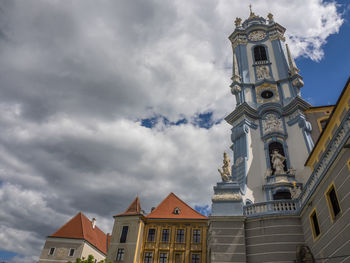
[[82, 224]]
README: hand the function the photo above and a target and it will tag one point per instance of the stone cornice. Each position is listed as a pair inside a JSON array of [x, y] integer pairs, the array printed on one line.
[[242, 109]]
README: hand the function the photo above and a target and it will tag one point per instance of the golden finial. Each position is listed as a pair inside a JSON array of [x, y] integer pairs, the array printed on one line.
[[270, 17], [238, 21], [252, 15]]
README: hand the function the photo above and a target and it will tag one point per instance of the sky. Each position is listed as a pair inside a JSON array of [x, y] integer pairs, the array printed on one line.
[[103, 102]]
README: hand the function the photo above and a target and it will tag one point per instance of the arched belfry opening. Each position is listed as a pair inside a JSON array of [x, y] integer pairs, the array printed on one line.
[[282, 195], [277, 146], [260, 53]]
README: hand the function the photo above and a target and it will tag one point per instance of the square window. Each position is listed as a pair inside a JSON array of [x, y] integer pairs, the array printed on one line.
[[314, 224], [71, 252], [195, 258], [180, 235], [196, 236], [332, 201], [124, 234], [148, 257], [165, 235], [151, 235], [51, 251], [163, 258], [120, 254]]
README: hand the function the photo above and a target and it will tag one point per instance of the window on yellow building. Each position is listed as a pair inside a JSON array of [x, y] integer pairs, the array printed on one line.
[[148, 257], [195, 258], [196, 238], [151, 235], [180, 235], [163, 258], [165, 235]]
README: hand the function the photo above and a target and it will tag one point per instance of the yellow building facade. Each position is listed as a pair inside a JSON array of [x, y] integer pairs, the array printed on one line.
[[178, 241], [172, 233]]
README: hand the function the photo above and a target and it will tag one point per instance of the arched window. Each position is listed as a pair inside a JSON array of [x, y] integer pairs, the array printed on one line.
[[279, 147], [260, 53]]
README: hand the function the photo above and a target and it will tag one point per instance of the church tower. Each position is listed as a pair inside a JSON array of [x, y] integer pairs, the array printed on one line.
[[270, 134]]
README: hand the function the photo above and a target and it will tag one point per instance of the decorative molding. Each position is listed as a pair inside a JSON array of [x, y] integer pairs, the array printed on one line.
[[266, 86], [262, 72], [257, 35], [271, 123], [227, 197]]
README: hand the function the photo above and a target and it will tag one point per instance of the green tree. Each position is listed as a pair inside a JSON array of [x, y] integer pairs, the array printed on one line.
[[90, 259]]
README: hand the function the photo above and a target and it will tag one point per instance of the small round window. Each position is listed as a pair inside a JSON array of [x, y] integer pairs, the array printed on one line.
[[267, 94]]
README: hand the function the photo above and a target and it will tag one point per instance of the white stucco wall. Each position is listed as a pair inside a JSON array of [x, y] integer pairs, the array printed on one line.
[[297, 150], [90, 250], [256, 167]]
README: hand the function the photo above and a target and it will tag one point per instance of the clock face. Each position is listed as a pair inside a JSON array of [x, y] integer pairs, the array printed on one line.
[[257, 35]]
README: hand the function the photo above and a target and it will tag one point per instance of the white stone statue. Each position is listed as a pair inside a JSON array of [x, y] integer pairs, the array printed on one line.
[[277, 162], [226, 169], [295, 191]]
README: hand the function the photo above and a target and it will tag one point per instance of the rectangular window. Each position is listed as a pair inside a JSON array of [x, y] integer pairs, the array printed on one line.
[[165, 235], [51, 251], [180, 235], [314, 224], [195, 258], [120, 254], [148, 257], [333, 203], [71, 252], [196, 236], [163, 258], [151, 235], [124, 234]]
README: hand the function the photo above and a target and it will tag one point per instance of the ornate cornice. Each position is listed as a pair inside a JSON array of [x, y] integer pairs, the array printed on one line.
[[242, 109]]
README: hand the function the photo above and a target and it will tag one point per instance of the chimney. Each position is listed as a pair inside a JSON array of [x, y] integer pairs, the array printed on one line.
[[152, 208], [93, 223]]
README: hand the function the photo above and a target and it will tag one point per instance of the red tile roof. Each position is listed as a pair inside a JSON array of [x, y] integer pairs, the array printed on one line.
[[167, 207], [133, 209], [80, 227]]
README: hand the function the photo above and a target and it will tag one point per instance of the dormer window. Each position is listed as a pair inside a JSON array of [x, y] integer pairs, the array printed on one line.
[[260, 53], [176, 211]]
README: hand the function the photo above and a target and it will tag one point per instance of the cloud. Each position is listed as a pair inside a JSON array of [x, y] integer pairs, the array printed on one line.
[[77, 79]]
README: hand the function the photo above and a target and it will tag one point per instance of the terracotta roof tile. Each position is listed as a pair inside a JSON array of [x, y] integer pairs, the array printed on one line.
[[167, 207], [133, 209], [80, 227]]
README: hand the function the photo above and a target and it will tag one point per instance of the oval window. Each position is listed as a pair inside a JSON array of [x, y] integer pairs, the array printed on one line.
[[267, 94]]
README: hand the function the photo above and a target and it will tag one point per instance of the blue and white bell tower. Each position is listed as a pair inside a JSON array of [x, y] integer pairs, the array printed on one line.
[[270, 135]]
